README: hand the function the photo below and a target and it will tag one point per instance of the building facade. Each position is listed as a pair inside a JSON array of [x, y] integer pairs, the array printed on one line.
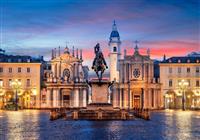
[[133, 76], [66, 84], [172, 72], [27, 71]]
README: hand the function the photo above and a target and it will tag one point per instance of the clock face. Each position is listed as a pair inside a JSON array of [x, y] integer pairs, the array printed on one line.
[[136, 73], [66, 73]]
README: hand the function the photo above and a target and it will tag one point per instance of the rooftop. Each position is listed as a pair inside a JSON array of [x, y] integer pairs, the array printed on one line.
[[4, 58], [184, 59]]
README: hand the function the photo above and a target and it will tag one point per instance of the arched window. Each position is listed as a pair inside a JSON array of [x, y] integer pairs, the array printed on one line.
[[114, 49]]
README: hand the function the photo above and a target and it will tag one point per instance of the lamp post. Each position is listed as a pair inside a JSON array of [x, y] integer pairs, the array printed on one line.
[[34, 93], [183, 86], [16, 85], [2, 94]]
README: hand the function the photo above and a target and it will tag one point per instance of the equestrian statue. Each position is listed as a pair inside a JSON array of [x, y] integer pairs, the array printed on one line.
[[99, 63]]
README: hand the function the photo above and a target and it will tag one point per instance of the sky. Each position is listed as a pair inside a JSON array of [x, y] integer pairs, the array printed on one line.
[[35, 27]]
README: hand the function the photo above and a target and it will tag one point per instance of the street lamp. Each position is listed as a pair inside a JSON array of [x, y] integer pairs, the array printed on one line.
[[2, 93], [183, 86], [16, 85]]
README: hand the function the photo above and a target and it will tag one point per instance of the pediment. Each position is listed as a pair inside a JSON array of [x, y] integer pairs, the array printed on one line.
[[65, 58]]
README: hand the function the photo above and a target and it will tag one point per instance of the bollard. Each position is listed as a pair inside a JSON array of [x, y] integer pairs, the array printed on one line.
[[75, 115], [123, 115]]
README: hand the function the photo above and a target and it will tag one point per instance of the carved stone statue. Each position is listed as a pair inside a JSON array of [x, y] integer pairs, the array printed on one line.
[[99, 63]]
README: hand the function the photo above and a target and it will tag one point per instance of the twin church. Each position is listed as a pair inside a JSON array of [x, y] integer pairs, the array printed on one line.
[[131, 77]]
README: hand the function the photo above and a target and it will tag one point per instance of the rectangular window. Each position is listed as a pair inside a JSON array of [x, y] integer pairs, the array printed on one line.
[[179, 69], [1, 82], [10, 82], [28, 70], [197, 69], [1, 69], [170, 70], [28, 82], [188, 70], [10, 70], [197, 83], [188, 82], [170, 83], [19, 70]]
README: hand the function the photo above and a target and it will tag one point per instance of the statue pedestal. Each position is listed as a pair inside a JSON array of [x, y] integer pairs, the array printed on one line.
[[100, 91]]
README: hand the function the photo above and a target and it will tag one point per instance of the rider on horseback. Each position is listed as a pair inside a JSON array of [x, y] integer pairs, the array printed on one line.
[[99, 63]]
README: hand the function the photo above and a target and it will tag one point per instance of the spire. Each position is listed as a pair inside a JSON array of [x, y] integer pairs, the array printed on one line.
[[136, 47], [54, 52], [114, 27], [124, 52], [73, 51], [164, 57], [81, 54], [66, 51], [77, 53], [59, 51], [148, 52]]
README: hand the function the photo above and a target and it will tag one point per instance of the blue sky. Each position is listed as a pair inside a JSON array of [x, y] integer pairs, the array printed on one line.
[[34, 27]]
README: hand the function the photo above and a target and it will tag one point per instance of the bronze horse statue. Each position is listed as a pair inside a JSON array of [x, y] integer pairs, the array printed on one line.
[[99, 63]]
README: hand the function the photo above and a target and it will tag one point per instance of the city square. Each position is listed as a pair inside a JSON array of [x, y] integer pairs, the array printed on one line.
[[99, 76]]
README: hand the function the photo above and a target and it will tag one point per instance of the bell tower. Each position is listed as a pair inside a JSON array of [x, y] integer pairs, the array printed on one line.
[[115, 53]]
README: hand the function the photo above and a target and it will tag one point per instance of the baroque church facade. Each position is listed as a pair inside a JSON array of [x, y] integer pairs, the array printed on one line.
[[135, 85], [66, 82]]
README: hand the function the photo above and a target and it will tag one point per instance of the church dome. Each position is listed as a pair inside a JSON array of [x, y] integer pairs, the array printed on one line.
[[114, 34]]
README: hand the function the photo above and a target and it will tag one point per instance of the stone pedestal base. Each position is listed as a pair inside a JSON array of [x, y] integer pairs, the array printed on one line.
[[100, 91]]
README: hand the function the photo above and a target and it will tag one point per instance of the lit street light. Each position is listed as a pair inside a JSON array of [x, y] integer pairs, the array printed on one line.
[[183, 86], [2, 93], [16, 85]]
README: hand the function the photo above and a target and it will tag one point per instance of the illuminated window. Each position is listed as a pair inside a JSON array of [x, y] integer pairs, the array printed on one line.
[[28, 82], [10, 70], [1, 82], [188, 82], [10, 82]]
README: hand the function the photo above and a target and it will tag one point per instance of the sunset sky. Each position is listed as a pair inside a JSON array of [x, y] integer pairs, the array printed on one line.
[[34, 27]]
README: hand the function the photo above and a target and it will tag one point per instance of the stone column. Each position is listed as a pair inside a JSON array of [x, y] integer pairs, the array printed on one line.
[[58, 98], [48, 98], [84, 98], [120, 98], [149, 98], [145, 98], [130, 99], [114, 95], [155, 98], [54, 98], [76, 98]]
